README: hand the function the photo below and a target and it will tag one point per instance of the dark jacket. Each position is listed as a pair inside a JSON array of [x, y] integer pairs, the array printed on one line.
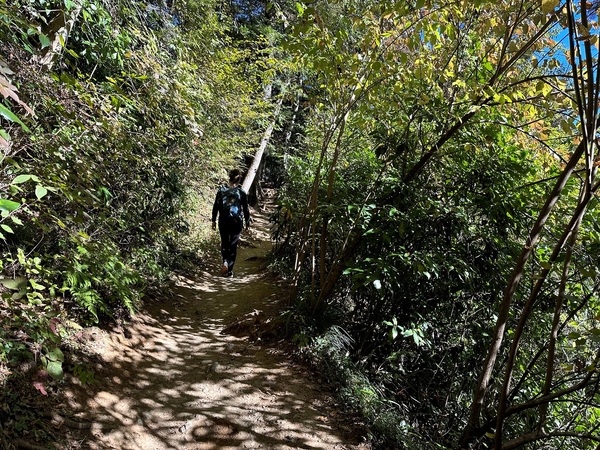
[[217, 205]]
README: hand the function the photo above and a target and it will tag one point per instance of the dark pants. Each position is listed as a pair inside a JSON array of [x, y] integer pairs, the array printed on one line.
[[230, 236]]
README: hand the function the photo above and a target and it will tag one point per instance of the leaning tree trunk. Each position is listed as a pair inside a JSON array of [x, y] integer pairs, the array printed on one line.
[[586, 94], [252, 171], [58, 30]]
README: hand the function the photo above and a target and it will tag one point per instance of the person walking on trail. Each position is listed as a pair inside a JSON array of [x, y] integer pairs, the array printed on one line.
[[231, 205]]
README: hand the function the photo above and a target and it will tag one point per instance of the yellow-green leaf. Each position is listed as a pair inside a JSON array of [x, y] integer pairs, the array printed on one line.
[[55, 370], [549, 5], [8, 205], [21, 179], [40, 191]]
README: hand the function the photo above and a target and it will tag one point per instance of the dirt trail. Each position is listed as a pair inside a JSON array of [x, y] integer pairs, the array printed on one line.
[[178, 382]]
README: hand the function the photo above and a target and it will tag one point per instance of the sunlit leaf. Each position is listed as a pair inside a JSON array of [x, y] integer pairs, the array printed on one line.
[[40, 191], [10, 116], [7, 228], [21, 179], [44, 40], [8, 205], [548, 6], [55, 370], [56, 354], [16, 220]]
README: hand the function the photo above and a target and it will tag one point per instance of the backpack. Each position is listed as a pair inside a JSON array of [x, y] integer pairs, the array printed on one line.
[[231, 203]]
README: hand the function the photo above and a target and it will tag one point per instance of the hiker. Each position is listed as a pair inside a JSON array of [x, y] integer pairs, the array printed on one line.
[[231, 205]]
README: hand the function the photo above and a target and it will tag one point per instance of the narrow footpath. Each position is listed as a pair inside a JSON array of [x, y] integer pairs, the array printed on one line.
[[185, 374]]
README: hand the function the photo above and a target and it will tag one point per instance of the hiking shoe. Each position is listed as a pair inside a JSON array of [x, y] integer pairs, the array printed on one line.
[[224, 268], [229, 274]]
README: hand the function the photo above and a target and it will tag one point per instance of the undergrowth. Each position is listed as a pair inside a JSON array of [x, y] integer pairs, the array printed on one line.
[[387, 421]]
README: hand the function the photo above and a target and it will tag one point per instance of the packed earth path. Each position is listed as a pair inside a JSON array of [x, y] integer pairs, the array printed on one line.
[[191, 372]]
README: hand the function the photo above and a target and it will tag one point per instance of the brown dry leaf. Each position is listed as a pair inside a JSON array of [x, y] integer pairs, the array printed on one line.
[[4, 144], [7, 89], [4, 68]]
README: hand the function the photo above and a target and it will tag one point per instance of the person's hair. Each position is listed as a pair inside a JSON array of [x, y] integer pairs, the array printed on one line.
[[235, 176]]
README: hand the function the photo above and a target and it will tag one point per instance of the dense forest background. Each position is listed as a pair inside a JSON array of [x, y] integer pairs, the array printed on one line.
[[436, 165]]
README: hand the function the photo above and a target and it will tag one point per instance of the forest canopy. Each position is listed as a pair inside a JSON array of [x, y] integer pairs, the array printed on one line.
[[436, 165]]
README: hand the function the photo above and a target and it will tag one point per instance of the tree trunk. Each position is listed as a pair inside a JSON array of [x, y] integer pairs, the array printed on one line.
[[503, 311], [290, 129], [252, 171], [58, 31], [588, 126], [324, 229]]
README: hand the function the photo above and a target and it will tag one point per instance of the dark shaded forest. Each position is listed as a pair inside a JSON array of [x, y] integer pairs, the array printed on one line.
[[435, 164]]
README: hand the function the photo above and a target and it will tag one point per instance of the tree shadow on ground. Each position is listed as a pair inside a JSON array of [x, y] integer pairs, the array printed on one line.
[[178, 382]]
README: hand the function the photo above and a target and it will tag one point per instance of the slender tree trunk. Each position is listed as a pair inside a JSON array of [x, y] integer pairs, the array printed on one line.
[[290, 129], [550, 360], [251, 175], [514, 280], [58, 31], [525, 314], [587, 106], [325, 222], [309, 213]]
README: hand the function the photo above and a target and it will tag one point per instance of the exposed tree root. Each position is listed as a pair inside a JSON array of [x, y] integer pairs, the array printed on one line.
[[26, 445], [59, 421]]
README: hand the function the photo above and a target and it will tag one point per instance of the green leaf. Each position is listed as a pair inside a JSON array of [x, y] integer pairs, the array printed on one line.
[[44, 40], [21, 179], [566, 126], [40, 191], [56, 354], [55, 370], [8, 205], [10, 116], [37, 286], [549, 5], [7, 228], [16, 220], [14, 284], [588, 273]]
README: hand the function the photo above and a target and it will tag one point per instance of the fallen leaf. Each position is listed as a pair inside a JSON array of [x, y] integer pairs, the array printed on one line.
[[40, 387]]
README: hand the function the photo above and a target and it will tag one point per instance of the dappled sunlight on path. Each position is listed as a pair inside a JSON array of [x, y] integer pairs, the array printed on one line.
[[178, 382]]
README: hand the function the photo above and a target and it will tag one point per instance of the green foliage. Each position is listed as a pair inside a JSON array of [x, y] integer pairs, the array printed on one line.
[[52, 361], [429, 267], [388, 421], [432, 138], [105, 189]]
